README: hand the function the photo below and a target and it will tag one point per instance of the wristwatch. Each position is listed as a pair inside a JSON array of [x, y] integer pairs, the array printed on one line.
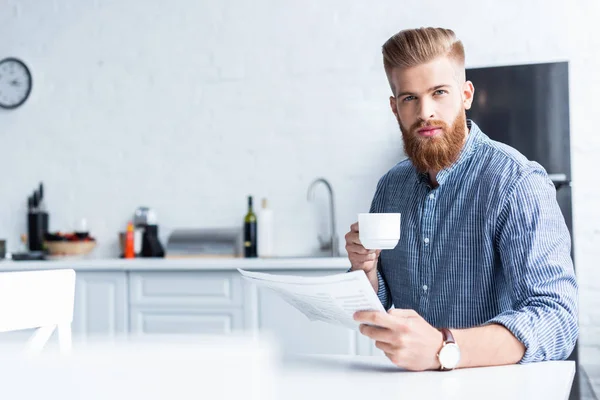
[[449, 354]]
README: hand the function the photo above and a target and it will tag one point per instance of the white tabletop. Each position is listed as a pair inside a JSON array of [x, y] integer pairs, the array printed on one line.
[[225, 368], [364, 377]]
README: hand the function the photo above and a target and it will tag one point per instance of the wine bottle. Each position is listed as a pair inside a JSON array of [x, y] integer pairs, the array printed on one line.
[[250, 231]]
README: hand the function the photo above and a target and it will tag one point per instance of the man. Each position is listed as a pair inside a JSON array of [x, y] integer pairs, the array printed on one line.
[[482, 274]]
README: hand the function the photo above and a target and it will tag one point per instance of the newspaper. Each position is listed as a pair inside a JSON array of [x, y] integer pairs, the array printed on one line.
[[333, 299]]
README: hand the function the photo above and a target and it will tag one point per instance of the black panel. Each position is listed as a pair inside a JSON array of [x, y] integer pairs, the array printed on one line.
[[527, 107]]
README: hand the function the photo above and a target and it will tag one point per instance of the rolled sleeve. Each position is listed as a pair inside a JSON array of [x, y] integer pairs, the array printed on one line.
[[534, 246]]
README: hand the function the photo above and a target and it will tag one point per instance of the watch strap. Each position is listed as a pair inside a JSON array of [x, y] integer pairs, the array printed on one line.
[[447, 335]]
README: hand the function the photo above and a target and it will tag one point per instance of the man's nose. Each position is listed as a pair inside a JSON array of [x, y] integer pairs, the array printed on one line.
[[426, 109]]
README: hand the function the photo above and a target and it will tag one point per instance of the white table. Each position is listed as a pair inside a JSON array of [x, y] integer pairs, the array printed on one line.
[[238, 368], [363, 377]]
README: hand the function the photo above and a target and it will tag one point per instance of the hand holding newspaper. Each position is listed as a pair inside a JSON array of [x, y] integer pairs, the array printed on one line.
[[333, 299]]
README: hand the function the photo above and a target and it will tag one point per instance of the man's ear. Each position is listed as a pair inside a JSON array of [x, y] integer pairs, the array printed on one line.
[[393, 106], [468, 92]]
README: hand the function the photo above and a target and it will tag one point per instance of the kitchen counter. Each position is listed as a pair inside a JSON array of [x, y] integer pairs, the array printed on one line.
[[182, 264]]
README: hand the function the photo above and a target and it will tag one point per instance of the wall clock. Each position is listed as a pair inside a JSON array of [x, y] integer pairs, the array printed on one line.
[[15, 83]]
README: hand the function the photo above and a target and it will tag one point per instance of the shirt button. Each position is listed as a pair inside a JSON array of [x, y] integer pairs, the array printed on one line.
[[425, 288], [426, 240], [432, 196]]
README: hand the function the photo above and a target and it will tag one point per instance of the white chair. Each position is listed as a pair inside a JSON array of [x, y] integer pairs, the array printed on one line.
[[38, 299]]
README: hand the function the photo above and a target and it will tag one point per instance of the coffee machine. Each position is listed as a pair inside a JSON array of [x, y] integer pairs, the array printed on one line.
[[147, 243]]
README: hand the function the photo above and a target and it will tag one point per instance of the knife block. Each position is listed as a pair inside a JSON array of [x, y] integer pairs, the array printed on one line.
[[37, 227]]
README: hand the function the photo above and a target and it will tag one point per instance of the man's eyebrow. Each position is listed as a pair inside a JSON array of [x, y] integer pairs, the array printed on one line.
[[428, 90]]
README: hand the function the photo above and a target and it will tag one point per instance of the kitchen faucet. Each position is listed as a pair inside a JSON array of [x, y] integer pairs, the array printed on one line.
[[331, 244]]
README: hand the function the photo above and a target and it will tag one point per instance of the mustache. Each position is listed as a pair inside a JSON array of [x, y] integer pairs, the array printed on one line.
[[429, 123]]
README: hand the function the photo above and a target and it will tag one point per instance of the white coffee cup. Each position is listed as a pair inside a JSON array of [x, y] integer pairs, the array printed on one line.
[[379, 231]]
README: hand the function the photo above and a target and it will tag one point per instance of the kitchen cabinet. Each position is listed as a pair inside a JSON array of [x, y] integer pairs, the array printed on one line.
[[187, 289], [183, 320], [101, 306], [184, 302], [222, 302]]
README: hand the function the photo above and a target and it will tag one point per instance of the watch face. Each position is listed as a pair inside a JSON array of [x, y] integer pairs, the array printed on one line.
[[15, 83], [449, 355]]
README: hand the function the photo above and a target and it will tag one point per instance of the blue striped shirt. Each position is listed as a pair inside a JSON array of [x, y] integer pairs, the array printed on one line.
[[488, 245]]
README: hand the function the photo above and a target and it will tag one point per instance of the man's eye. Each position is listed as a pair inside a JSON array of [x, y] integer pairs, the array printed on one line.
[[440, 91], [408, 98]]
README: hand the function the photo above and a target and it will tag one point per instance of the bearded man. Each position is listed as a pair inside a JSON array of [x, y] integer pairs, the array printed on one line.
[[482, 274]]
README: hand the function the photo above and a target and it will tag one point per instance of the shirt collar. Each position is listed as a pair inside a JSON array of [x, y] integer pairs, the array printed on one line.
[[471, 144]]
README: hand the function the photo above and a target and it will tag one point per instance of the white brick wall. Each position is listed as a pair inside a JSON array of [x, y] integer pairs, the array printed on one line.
[[188, 106]]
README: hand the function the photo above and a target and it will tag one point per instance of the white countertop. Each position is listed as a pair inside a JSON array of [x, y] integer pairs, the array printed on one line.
[[187, 264]]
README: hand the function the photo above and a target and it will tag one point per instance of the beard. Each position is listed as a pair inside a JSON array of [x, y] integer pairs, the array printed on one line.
[[437, 152]]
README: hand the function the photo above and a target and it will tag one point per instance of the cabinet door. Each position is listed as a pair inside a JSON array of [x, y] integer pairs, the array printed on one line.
[[185, 320], [212, 289], [186, 302], [295, 333], [100, 304]]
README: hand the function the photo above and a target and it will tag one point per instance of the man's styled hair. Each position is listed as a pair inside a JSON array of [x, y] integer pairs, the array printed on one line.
[[412, 47]]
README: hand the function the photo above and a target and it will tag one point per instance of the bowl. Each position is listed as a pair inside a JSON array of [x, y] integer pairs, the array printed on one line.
[[70, 248]]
